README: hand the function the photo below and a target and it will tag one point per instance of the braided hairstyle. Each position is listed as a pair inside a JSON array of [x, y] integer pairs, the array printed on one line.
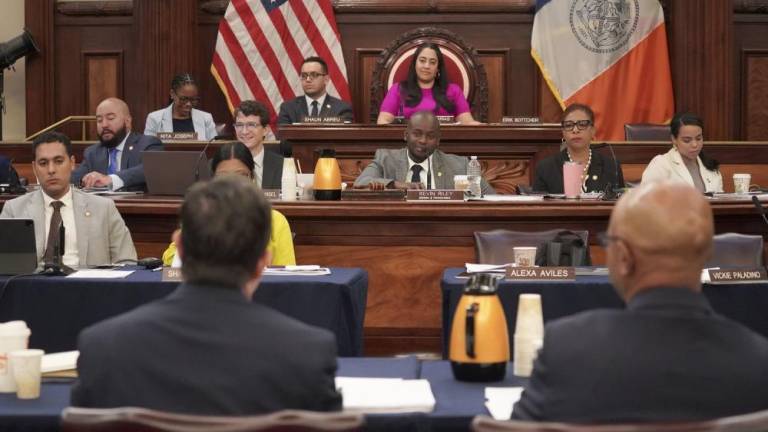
[[180, 81]]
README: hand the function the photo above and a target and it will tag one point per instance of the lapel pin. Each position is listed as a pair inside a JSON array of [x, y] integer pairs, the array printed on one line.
[[87, 213], [130, 148], [328, 106], [439, 174], [594, 177]]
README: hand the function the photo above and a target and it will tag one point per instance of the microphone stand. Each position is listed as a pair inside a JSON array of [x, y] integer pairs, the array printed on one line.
[[760, 208], [57, 267], [200, 158]]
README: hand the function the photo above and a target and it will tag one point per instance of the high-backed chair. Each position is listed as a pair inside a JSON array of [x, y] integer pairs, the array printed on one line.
[[755, 422], [497, 246], [737, 250], [145, 420], [462, 63], [646, 132]]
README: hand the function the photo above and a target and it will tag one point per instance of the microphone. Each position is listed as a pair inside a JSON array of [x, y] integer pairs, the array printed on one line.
[[57, 267], [759, 207], [610, 189], [200, 157]]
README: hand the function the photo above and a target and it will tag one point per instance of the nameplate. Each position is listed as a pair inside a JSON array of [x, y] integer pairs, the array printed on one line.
[[520, 120], [737, 275], [171, 274], [541, 273], [445, 119], [177, 136], [434, 195], [325, 119], [271, 194], [370, 195]]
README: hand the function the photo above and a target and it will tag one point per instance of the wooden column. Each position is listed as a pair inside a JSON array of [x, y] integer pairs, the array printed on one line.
[[701, 50], [40, 91]]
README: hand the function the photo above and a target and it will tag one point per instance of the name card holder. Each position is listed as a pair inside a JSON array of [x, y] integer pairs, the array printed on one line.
[[177, 136], [171, 274], [445, 119], [520, 120], [271, 194], [441, 195], [737, 275], [323, 120], [541, 273]]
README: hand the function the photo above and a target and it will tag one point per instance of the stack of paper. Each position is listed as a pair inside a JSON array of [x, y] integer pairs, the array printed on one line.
[[508, 198], [100, 274], [385, 395], [499, 401], [297, 270], [60, 364], [487, 268]]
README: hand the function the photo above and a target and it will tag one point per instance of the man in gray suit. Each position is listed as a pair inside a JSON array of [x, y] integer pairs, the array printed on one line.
[[115, 162], [420, 165], [94, 232]]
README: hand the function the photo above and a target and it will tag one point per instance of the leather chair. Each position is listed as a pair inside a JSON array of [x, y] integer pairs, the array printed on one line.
[[130, 419], [754, 422], [646, 132], [497, 246], [737, 250]]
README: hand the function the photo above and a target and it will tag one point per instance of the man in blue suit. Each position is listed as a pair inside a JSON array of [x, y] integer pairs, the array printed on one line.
[[116, 161]]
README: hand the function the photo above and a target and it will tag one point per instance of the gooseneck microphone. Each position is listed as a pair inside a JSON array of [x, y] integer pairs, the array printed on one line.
[[760, 208], [612, 187], [200, 157]]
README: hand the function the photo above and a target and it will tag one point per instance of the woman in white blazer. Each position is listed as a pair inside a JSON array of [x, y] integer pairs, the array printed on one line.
[[180, 115], [686, 162]]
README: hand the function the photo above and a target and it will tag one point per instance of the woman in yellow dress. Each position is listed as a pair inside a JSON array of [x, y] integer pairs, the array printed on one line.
[[235, 159]]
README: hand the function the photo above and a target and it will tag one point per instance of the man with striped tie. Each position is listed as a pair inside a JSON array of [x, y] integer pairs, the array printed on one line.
[[115, 162]]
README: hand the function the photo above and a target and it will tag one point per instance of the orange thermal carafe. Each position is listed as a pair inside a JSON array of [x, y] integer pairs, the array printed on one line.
[[327, 184], [479, 349]]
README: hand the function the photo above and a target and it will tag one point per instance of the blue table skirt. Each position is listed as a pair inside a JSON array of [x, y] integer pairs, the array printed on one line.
[[58, 308], [744, 303], [457, 402]]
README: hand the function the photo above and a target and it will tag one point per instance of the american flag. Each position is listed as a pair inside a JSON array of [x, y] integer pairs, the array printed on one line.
[[261, 45]]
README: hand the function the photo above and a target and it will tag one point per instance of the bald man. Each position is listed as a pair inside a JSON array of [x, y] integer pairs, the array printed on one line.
[[115, 162], [668, 356]]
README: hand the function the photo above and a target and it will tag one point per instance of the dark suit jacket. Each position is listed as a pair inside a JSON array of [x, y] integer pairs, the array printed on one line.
[[7, 172], [667, 357], [206, 350], [602, 171], [295, 110], [96, 158], [272, 175]]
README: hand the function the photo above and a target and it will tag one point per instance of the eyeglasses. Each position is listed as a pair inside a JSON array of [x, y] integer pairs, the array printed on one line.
[[183, 100], [605, 239], [580, 124], [311, 75], [247, 125]]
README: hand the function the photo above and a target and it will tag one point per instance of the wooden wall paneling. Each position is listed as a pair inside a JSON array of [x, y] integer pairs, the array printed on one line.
[[103, 73], [212, 99], [361, 69], [754, 94], [495, 63], [40, 91], [702, 55]]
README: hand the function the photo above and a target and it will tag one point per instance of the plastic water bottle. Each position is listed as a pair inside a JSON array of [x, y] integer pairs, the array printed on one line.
[[288, 180], [474, 174]]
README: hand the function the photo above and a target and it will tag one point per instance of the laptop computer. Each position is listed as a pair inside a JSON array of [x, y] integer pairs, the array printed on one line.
[[18, 253], [173, 172]]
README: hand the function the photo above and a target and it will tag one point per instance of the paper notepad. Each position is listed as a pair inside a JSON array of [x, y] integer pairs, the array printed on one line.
[[61, 361], [386, 395], [500, 400], [297, 270], [100, 274]]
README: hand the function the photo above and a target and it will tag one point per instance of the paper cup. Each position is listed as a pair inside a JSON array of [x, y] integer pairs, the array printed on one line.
[[741, 183], [526, 350], [530, 320], [14, 336], [461, 182], [525, 256], [25, 367], [572, 172]]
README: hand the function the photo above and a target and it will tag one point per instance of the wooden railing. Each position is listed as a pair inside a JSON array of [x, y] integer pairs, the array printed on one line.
[[71, 119]]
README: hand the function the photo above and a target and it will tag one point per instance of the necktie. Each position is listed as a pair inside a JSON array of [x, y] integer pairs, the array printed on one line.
[[112, 168], [53, 234], [416, 176], [314, 112]]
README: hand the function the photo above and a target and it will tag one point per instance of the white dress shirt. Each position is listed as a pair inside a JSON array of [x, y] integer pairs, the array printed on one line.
[[320, 102], [117, 182], [70, 258], [425, 164], [258, 166]]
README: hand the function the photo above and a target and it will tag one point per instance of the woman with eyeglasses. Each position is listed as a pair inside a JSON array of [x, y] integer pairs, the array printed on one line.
[[425, 89], [686, 161], [234, 158], [601, 173], [181, 115]]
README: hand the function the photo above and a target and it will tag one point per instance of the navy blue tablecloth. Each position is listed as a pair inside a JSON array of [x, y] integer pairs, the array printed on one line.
[[57, 308], [744, 303]]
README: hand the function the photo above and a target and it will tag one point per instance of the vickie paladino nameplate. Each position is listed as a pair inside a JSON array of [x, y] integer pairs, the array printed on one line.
[[177, 136], [541, 273], [326, 119], [737, 275], [434, 195], [171, 274]]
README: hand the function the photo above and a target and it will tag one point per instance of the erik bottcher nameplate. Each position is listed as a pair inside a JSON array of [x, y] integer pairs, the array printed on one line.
[[541, 273], [737, 275], [434, 195]]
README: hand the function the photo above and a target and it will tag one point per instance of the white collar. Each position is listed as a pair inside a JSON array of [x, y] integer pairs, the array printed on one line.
[[258, 158], [320, 102], [66, 199], [120, 146]]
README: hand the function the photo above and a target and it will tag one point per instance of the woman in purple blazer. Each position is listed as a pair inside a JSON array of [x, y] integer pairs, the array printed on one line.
[[425, 89]]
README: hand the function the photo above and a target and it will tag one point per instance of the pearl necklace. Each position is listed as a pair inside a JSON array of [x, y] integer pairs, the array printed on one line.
[[584, 174]]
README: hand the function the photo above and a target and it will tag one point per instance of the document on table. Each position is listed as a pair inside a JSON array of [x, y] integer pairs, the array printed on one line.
[[61, 361], [100, 274], [297, 270], [499, 401], [508, 198], [487, 268], [386, 395]]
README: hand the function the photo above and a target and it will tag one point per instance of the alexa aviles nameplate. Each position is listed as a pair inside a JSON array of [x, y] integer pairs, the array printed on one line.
[[434, 195], [541, 273]]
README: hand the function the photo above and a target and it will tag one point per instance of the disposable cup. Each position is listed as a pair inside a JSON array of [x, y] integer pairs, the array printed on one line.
[[25, 366], [572, 172], [14, 336], [525, 256], [526, 350], [530, 321], [741, 183]]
